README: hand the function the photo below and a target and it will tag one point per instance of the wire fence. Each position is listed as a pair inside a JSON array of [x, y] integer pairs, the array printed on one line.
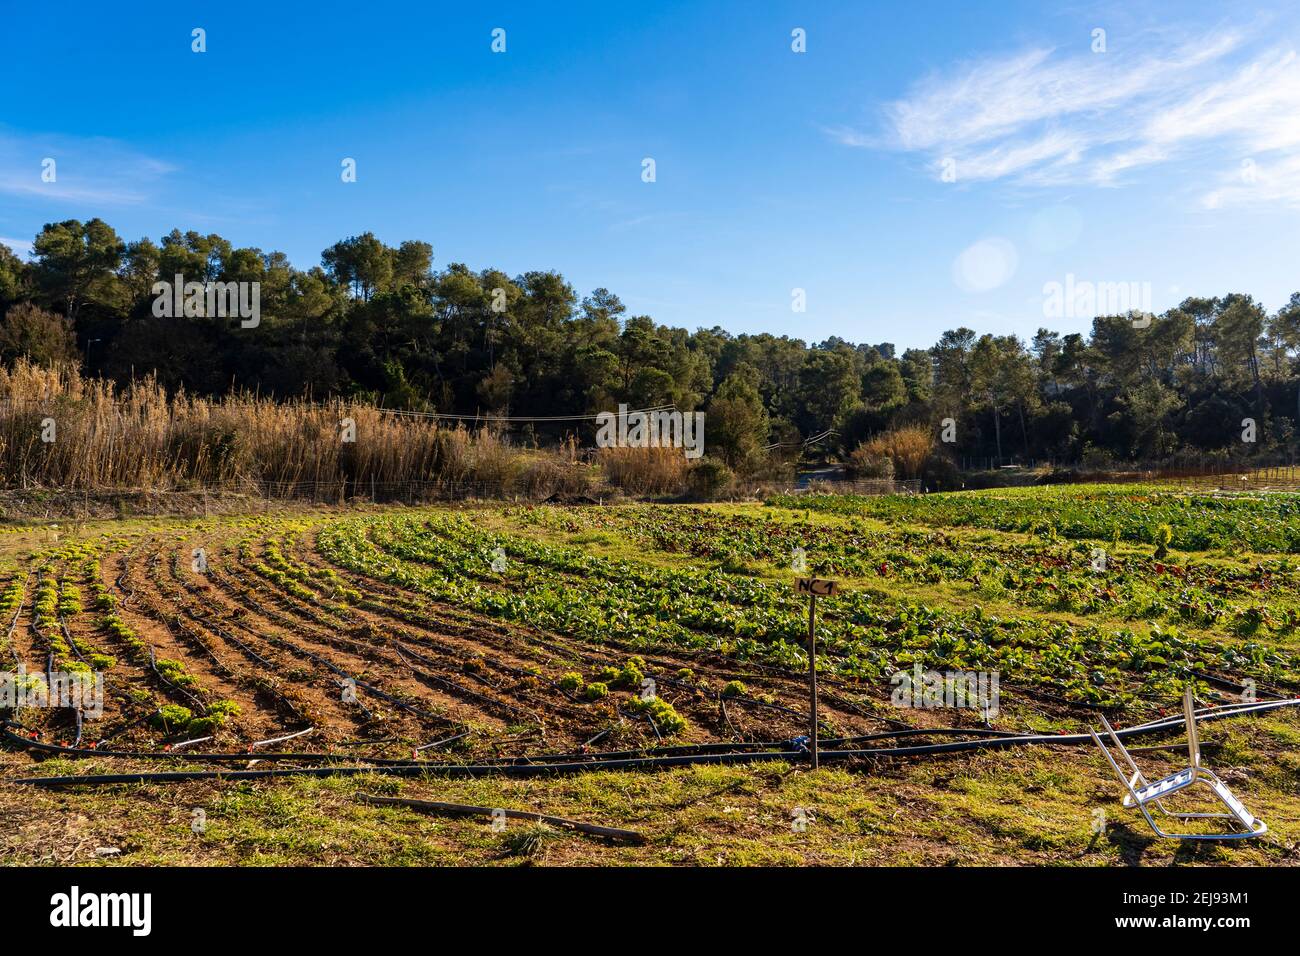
[[1279, 471], [253, 495], [37, 502], [1275, 472], [834, 486], [413, 492]]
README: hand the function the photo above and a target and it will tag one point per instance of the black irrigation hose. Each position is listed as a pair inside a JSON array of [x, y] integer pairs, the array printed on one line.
[[125, 727], [13, 624], [783, 746], [55, 749], [649, 763], [194, 699], [67, 638], [299, 651]]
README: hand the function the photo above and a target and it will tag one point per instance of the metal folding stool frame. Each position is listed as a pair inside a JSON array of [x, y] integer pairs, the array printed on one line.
[[1141, 792]]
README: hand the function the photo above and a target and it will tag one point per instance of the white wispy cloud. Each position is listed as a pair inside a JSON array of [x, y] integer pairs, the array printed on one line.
[[88, 171], [1047, 116], [1268, 183], [23, 247]]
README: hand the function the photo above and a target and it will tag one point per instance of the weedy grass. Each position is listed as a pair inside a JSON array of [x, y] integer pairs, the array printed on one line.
[[1028, 806]]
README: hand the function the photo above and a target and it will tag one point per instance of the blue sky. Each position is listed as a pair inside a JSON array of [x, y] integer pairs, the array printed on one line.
[[1172, 158]]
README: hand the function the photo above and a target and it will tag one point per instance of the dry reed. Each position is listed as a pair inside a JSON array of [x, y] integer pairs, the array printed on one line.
[[60, 430]]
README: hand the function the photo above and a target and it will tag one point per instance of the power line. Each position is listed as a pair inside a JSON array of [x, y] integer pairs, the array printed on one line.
[[399, 412], [815, 439], [672, 406]]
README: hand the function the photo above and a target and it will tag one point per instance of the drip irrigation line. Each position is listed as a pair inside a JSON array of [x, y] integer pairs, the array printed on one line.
[[367, 743], [13, 624], [41, 746], [32, 743], [279, 740], [67, 638], [167, 682], [127, 726], [788, 751], [267, 681], [440, 743], [118, 582], [301, 651], [451, 686], [298, 650]]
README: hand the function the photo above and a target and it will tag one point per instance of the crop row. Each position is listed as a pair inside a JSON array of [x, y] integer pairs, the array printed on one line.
[[1054, 575], [565, 590], [1196, 522]]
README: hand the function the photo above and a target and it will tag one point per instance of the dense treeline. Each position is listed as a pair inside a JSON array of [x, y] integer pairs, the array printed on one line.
[[374, 323]]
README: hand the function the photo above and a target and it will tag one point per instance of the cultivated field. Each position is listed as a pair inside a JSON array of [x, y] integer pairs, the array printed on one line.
[[516, 639]]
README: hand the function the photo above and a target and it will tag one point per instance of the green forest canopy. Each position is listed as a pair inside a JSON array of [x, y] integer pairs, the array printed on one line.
[[379, 323]]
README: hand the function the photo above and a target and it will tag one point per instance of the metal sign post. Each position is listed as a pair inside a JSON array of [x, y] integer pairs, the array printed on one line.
[[813, 587]]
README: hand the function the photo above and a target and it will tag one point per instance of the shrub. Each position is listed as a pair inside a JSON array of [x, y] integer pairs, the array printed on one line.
[[865, 462], [1096, 459], [544, 477], [940, 473], [29, 332], [708, 478]]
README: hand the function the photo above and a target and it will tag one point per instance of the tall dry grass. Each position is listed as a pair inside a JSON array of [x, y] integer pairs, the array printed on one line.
[[645, 471], [908, 448], [139, 437]]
